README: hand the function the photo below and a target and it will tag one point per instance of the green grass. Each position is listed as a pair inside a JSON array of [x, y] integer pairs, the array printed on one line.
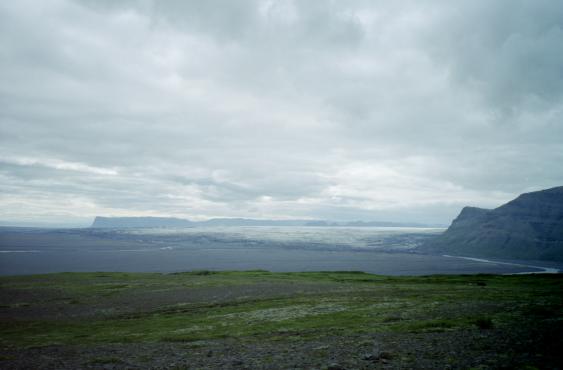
[[350, 303]]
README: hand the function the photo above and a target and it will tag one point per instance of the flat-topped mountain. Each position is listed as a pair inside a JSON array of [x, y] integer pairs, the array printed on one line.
[[528, 227]]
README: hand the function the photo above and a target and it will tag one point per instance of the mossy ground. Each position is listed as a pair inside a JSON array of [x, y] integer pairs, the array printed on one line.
[[257, 315]]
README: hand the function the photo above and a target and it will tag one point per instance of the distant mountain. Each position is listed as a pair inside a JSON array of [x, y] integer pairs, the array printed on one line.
[[132, 222], [250, 222], [149, 222], [367, 224], [528, 227], [385, 224]]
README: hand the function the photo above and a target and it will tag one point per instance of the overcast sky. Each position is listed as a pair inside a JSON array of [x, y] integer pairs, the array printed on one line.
[[340, 110]]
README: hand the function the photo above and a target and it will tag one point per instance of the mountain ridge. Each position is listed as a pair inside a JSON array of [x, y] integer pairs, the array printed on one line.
[[150, 222], [527, 227]]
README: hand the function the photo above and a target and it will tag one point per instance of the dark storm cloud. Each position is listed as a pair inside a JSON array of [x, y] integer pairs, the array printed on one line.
[[320, 109], [507, 50]]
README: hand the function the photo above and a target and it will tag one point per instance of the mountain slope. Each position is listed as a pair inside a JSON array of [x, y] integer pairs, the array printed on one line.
[[528, 227]]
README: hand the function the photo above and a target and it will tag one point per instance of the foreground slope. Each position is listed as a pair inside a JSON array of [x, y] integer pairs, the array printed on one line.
[[262, 320], [528, 227]]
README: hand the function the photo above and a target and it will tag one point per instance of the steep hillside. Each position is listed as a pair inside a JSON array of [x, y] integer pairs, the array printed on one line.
[[528, 227]]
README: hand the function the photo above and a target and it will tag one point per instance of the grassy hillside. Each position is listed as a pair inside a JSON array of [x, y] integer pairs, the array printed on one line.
[[257, 319]]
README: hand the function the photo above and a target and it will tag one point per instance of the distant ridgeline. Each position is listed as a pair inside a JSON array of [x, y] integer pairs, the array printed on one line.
[[148, 222], [528, 227], [128, 222]]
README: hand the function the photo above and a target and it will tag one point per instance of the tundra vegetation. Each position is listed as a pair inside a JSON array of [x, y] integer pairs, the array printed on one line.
[[258, 319]]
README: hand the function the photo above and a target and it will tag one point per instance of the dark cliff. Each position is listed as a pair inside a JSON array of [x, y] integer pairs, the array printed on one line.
[[528, 227]]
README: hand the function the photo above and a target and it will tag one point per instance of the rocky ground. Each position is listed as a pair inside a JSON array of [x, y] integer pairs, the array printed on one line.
[[260, 320]]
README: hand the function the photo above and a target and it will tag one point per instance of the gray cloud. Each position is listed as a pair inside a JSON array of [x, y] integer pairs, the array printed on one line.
[[506, 50], [279, 109]]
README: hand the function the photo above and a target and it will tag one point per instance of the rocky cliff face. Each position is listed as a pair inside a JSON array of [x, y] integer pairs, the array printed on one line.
[[528, 227]]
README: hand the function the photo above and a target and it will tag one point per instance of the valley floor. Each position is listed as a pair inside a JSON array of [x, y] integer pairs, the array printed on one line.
[[263, 320]]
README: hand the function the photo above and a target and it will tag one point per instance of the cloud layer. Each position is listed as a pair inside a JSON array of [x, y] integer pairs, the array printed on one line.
[[404, 111]]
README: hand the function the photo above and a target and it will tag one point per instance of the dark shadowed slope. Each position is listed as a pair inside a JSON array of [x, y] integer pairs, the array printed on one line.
[[528, 227]]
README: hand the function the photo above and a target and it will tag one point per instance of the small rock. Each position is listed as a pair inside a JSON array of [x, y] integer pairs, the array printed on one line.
[[382, 356], [369, 357], [334, 367]]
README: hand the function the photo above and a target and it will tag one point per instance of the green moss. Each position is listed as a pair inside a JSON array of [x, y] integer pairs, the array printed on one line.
[[353, 303]]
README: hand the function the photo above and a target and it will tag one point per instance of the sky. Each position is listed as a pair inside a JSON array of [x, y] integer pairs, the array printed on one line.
[[338, 110]]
